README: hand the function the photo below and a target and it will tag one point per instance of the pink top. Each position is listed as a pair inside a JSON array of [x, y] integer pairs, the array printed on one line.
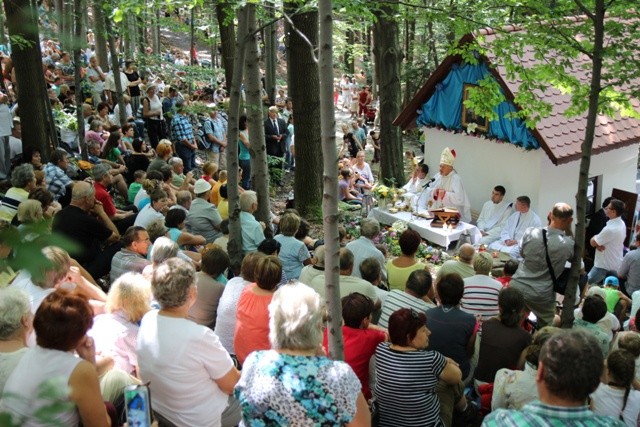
[[252, 323]]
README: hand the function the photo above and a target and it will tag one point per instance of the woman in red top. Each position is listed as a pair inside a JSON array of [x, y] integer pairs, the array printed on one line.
[[252, 317]]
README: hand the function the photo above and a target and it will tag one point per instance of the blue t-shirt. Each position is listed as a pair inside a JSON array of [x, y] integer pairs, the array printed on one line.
[[292, 254]]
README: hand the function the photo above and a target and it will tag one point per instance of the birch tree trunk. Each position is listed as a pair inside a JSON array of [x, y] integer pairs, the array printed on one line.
[[259, 171], [585, 160], [235, 233], [115, 67], [330, 199]]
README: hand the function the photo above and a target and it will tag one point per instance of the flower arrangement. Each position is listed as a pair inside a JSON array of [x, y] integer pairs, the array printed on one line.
[[381, 191], [389, 240]]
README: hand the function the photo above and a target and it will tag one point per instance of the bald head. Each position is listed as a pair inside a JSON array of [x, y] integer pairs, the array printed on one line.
[[466, 253], [81, 189], [561, 216]]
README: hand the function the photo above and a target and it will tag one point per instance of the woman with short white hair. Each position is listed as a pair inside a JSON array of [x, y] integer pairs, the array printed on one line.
[[15, 327], [305, 387]]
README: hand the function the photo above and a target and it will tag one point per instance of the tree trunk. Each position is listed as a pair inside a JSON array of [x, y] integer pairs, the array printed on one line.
[[270, 53], [192, 36], [330, 199], [259, 171], [115, 67], [410, 32], [100, 35], [388, 58], [155, 31], [349, 63], [129, 35], [235, 232], [227, 40], [3, 35], [304, 89], [59, 11], [22, 22], [78, 43], [585, 161]]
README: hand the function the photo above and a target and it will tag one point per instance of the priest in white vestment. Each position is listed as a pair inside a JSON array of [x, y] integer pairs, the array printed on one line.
[[494, 215], [515, 227], [446, 189]]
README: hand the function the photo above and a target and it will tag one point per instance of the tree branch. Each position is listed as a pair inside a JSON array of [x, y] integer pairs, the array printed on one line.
[[302, 36], [584, 9]]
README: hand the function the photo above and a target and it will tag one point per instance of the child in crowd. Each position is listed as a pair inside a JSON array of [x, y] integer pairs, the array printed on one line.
[[215, 188], [374, 139], [209, 171], [613, 297], [139, 177], [223, 241], [412, 160], [508, 270], [360, 337]]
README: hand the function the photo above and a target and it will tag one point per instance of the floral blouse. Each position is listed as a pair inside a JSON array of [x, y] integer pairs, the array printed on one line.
[[283, 390]]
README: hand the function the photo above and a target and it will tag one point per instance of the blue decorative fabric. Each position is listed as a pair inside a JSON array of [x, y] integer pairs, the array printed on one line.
[[444, 108]]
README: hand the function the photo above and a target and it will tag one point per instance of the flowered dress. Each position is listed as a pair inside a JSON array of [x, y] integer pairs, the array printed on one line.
[[283, 390]]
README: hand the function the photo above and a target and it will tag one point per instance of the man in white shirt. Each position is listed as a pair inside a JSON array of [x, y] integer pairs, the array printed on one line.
[[609, 243], [494, 215], [515, 227], [96, 79], [419, 179]]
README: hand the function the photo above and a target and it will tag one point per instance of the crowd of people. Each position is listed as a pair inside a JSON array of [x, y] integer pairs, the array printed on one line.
[[150, 296]]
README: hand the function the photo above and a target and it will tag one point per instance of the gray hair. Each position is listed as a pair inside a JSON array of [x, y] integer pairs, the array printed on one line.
[[14, 306], [247, 199], [183, 197], [22, 175], [171, 282], [81, 189], [369, 228], [483, 263], [163, 249], [100, 170], [175, 161], [295, 317]]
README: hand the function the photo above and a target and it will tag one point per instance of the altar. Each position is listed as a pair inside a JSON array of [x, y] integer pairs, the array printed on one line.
[[439, 236]]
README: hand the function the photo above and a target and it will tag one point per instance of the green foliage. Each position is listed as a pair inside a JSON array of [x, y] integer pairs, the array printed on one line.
[[52, 391], [484, 97], [27, 243]]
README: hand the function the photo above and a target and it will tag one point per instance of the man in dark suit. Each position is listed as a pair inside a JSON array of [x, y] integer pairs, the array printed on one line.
[[275, 133]]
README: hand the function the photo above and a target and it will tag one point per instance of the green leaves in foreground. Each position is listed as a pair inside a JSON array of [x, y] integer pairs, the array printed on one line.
[[26, 245]]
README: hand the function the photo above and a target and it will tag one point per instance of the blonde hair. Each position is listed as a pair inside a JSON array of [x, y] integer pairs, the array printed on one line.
[[131, 294], [210, 168], [30, 211], [164, 147]]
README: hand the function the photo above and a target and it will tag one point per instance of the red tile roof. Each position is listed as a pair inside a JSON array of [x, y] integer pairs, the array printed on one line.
[[561, 137]]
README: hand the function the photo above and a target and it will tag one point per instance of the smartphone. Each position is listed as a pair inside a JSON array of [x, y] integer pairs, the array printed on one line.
[[138, 405]]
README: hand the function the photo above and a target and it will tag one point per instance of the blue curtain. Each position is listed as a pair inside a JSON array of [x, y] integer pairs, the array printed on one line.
[[444, 108]]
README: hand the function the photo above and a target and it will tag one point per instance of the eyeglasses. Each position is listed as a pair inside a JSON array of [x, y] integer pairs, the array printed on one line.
[[414, 314]]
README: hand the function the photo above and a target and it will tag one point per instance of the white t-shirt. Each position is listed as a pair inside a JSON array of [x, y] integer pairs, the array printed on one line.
[[227, 309], [6, 120], [612, 238], [147, 215], [182, 359], [608, 401], [36, 293]]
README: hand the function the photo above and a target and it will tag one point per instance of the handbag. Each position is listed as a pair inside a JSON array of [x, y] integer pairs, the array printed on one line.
[[560, 282]]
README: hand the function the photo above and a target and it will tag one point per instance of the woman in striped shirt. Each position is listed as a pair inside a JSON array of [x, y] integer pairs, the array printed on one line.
[[407, 373]]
